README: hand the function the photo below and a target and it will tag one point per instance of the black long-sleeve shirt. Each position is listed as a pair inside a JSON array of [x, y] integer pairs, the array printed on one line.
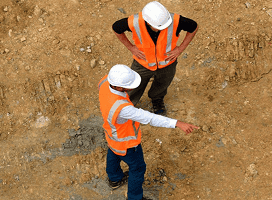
[[185, 24]]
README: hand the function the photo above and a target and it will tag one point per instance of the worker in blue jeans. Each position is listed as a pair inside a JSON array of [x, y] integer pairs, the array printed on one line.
[[122, 129], [137, 167]]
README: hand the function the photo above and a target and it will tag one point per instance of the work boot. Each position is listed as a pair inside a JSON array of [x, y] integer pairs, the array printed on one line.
[[116, 184], [146, 198], [158, 107]]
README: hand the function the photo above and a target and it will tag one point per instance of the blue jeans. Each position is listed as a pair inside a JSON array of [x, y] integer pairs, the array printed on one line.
[[137, 167]]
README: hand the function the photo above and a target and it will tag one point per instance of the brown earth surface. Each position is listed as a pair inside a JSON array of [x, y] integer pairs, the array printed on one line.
[[53, 54]]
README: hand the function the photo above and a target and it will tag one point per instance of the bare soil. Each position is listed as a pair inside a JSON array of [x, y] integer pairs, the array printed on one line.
[[53, 54]]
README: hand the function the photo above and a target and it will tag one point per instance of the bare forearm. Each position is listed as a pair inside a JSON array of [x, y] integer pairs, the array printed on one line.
[[123, 38], [188, 38], [131, 47]]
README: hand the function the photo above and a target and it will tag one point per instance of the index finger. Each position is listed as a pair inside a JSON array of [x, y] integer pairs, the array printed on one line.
[[196, 127]]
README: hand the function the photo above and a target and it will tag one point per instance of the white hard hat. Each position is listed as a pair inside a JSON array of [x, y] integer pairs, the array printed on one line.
[[122, 76], [156, 15]]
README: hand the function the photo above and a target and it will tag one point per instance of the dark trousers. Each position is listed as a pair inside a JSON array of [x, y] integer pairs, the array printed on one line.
[[137, 167], [162, 79]]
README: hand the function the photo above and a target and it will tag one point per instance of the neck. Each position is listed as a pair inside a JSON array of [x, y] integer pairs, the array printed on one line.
[[153, 29]]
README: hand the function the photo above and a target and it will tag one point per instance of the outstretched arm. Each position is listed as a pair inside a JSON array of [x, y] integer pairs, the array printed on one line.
[[146, 117]]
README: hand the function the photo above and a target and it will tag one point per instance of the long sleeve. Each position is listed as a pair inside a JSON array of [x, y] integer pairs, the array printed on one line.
[[145, 117]]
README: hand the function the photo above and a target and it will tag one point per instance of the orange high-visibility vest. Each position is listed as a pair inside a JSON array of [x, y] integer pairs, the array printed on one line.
[[155, 54], [120, 137]]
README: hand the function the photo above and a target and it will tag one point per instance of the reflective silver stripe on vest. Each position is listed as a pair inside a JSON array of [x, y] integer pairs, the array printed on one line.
[[137, 27], [102, 82], [151, 64], [170, 35], [164, 62], [169, 40], [113, 128], [118, 151], [135, 130]]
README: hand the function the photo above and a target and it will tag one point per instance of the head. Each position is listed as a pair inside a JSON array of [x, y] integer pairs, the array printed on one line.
[[156, 15], [122, 78]]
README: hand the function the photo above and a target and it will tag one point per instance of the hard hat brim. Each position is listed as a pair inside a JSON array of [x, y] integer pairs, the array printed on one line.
[[135, 83], [168, 23]]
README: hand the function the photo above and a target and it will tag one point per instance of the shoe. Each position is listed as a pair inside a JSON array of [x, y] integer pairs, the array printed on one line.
[[158, 107], [116, 184], [145, 198]]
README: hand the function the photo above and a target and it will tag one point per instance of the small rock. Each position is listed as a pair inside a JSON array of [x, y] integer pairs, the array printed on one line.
[[247, 4], [224, 84], [37, 10], [92, 44], [122, 10], [41, 20], [55, 42], [227, 78], [89, 50], [27, 68], [16, 178], [82, 49], [174, 109], [164, 178], [234, 141], [93, 63], [238, 19], [269, 12], [224, 141], [252, 170], [205, 128], [6, 50], [23, 39], [18, 18], [101, 62], [78, 67], [9, 32], [5, 9], [98, 37]]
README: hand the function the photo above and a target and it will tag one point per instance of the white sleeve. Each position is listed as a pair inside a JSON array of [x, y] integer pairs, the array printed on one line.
[[145, 117]]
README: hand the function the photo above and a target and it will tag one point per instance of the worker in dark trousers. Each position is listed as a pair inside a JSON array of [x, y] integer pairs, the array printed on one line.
[[122, 129], [155, 51]]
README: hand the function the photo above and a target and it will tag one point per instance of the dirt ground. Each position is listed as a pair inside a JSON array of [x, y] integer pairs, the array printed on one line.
[[53, 54]]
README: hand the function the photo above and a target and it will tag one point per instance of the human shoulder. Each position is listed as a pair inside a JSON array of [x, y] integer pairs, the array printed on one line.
[[121, 25]]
